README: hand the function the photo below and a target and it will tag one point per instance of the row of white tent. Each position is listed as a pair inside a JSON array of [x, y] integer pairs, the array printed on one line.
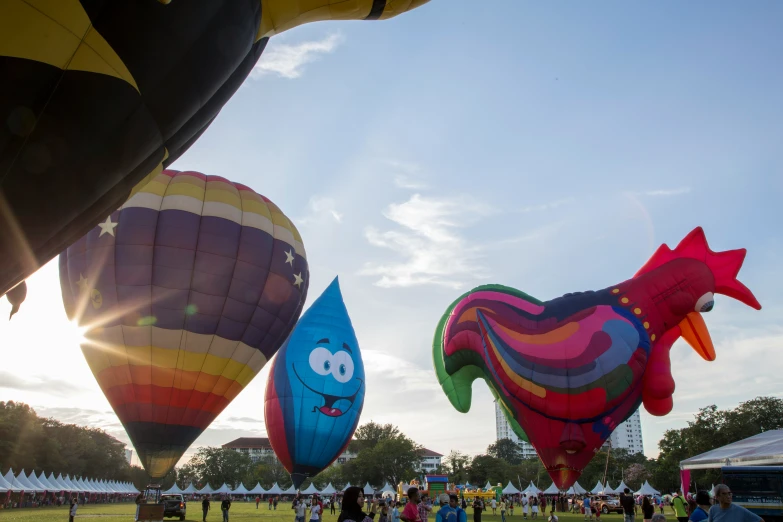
[[576, 489], [32, 483], [274, 490]]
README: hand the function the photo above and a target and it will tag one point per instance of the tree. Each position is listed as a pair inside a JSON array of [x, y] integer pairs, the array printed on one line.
[[370, 434], [390, 460], [456, 465], [334, 474], [217, 466], [506, 449], [486, 468], [269, 470]]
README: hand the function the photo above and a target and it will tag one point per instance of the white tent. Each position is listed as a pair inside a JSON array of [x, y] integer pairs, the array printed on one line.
[[45, 483], [510, 489], [274, 490], [647, 489], [32, 479], [368, 490], [240, 490], [387, 490], [598, 489], [328, 490], [347, 486], [22, 479], [190, 490], [576, 489], [66, 481], [488, 486], [531, 489], [290, 491], [608, 490], [311, 490], [5, 485], [223, 489], [59, 486], [173, 490], [258, 490], [621, 488], [551, 490], [764, 449], [206, 490]]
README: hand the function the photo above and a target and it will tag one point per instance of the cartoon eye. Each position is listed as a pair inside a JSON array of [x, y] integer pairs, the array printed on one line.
[[342, 369], [321, 361], [705, 303]]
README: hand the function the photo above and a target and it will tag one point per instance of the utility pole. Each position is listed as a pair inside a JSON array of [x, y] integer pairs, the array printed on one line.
[[606, 468]]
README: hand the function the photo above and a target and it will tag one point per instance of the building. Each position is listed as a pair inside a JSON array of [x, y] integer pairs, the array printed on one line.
[[504, 431], [628, 435], [128, 455], [430, 460]]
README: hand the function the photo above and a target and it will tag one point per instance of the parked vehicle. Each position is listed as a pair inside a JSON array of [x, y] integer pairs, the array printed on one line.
[[174, 506]]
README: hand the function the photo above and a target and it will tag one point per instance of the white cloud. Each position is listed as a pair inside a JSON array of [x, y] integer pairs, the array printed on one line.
[[428, 239], [546, 206], [406, 177], [319, 207], [663, 192], [405, 182], [288, 60]]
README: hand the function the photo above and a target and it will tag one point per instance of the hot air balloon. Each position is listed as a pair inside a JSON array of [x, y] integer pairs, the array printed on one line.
[[315, 392], [567, 371], [185, 293], [98, 97]]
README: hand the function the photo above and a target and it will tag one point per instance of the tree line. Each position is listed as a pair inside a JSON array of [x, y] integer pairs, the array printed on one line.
[[383, 454]]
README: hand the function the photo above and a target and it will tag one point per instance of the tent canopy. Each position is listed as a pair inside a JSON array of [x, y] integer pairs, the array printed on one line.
[[576, 489], [647, 489], [258, 490], [764, 449], [621, 488], [240, 490], [173, 490], [531, 489], [551, 490], [206, 489], [191, 489], [328, 490], [311, 490], [275, 490], [598, 489], [488, 486], [510, 489], [290, 491], [368, 490]]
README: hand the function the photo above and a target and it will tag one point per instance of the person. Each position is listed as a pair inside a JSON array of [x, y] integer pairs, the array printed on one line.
[[702, 509], [533, 506], [552, 516], [205, 507], [300, 507], [75, 506], [411, 511], [478, 507], [258, 500], [270, 503], [503, 509], [395, 512], [680, 508], [315, 510], [524, 503], [659, 501], [511, 507], [586, 505], [494, 505], [224, 507], [384, 512], [648, 510], [332, 505], [353, 502], [628, 505], [726, 511], [658, 518], [274, 502]]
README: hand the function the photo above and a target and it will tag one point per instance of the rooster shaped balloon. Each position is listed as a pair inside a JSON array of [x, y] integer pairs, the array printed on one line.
[[566, 372]]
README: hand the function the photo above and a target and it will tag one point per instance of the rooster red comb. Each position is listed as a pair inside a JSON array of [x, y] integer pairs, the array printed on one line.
[[724, 265]]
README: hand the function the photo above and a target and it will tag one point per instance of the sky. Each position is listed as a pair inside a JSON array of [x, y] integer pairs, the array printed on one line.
[[546, 146]]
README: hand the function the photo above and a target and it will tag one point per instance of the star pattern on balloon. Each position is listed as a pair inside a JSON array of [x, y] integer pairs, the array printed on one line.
[[298, 280], [107, 227], [83, 284], [289, 258]]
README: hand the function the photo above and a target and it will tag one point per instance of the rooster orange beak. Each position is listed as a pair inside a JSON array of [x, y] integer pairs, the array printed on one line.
[[694, 330]]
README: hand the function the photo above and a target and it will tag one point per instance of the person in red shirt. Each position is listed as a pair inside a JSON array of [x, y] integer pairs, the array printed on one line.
[[411, 511]]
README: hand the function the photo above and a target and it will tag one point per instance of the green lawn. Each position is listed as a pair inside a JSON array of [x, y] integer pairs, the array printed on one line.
[[239, 511]]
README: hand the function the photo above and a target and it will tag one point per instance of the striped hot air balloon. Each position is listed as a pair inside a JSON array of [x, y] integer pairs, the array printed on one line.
[[185, 292]]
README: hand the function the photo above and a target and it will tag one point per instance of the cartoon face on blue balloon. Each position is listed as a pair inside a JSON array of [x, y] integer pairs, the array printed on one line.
[[316, 387]]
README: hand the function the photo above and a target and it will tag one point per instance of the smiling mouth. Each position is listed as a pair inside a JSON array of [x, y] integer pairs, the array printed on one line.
[[328, 408]]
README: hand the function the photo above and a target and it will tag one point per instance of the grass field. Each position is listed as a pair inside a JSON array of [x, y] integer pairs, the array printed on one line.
[[240, 511]]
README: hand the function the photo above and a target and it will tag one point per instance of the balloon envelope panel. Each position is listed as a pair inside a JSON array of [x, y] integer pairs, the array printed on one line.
[[186, 292], [315, 392]]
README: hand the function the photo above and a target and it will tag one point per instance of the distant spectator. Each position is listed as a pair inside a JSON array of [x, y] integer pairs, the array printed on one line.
[[702, 510], [75, 506], [680, 508], [628, 504], [205, 507]]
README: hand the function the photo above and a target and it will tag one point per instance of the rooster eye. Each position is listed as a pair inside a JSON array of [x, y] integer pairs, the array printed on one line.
[[705, 303]]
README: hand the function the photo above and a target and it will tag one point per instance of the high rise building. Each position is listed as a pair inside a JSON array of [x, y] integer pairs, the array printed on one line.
[[504, 431], [628, 435]]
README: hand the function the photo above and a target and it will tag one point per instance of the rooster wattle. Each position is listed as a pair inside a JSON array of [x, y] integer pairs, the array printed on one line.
[[568, 371]]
